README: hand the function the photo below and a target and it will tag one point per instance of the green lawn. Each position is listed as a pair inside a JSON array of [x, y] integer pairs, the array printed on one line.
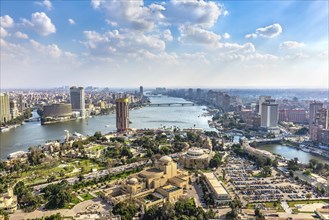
[[87, 196], [293, 203], [269, 205], [73, 202], [97, 148]]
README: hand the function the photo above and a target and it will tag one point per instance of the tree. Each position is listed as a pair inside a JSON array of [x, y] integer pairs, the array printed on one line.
[[58, 195], [266, 171], [126, 210], [35, 156], [308, 196], [302, 131], [216, 161]]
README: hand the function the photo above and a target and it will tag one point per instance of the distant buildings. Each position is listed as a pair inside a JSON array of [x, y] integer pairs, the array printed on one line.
[[77, 96], [4, 108], [319, 123], [269, 114], [293, 115], [122, 114], [314, 108], [141, 91]]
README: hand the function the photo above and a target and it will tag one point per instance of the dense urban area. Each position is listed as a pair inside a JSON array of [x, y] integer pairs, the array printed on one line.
[[168, 172]]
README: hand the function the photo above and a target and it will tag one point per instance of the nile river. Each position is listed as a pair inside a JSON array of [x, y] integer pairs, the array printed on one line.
[[291, 153], [32, 133]]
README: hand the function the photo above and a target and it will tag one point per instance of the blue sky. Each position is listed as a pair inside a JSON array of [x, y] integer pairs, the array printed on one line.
[[171, 43]]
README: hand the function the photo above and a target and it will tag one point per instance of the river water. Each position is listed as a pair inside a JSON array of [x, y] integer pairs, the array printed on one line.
[[32, 133], [291, 153]]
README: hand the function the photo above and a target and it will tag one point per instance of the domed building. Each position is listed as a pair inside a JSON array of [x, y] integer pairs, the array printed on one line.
[[197, 158], [155, 185]]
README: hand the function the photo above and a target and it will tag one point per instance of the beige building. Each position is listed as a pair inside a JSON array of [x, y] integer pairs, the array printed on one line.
[[8, 201], [197, 158], [217, 189], [4, 108], [122, 114], [152, 186]]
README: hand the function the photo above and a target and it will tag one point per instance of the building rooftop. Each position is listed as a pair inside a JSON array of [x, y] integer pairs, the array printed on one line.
[[170, 188], [166, 159], [215, 183]]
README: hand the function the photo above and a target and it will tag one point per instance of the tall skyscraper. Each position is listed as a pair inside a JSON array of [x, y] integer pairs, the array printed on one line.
[[13, 109], [269, 114], [122, 114], [314, 108], [261, 100], [141, 91], [4, 108], [77, 95]]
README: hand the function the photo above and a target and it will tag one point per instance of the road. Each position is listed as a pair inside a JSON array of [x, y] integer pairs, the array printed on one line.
[[96, 174]]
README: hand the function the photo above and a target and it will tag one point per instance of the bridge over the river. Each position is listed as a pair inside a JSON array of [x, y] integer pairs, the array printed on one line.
[[175, 104]]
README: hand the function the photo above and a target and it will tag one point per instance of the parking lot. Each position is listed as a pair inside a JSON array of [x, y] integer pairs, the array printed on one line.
[[240, 174]]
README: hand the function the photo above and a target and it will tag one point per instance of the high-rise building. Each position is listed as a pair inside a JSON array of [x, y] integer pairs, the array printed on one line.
[[314, 108], [13, 109], [322, 118], [4, 108], [77, 95], [141, 91], [261, 100], [21, 103], [269, 114], [122, 114]]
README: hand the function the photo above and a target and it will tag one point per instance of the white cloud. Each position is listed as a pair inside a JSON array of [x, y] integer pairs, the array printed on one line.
[[95, 3], [40, 23], [71, 21], [3, 32], [45, 3], [295, 56], [249, 36], [122, 43], [21, 35], [194, 12], [6, 21], [226, 36], [270, 31], [226, 13], [166, 35], [291, 45], [192, 34], [130, 13]]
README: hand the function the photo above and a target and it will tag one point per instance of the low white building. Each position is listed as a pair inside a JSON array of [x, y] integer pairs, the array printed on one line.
[[221, 196]]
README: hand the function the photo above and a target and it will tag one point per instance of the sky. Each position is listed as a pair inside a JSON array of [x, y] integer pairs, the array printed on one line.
[[173, 43]]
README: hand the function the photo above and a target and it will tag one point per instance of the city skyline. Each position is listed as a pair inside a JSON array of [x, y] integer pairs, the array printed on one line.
[[173, 44]]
